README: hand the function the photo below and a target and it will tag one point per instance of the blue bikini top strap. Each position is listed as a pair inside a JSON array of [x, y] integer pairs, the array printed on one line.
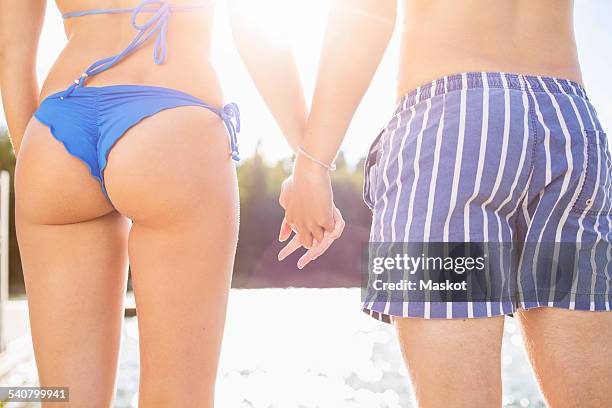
[[131, 10], [156, 25]]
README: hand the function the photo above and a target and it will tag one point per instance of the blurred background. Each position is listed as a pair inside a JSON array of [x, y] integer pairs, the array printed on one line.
[[318, 350]]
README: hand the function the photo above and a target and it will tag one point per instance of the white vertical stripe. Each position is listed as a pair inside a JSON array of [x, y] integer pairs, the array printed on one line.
[[568, 209], [547, 154], [581, 230], [500, 172], [406, 302], [400, 166], [525, 211], [431, 191], [596, 227], [519, 168], [405, 305], [416, 169], [564, 185], [470, 311], [547, 180], [433, 180], [478, 179], [502, 162], [521, 164], [484, 137], [399, 184], [417, 96], [524, 199], [566, 178], [458, 157], [481, 157], [385, 174]]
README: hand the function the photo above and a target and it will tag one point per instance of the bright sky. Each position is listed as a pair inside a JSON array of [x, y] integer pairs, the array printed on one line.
[[304, 23]]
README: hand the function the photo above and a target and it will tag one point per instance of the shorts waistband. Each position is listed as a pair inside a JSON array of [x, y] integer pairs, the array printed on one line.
[[481, 80]]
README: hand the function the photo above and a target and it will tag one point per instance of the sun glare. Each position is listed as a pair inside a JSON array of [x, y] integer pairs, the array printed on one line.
[[284, 20]]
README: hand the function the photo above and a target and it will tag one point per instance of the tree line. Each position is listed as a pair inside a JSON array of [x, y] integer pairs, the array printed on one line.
[[256, 265]]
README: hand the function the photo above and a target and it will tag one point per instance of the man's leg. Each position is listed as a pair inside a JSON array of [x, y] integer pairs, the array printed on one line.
[[453, 363], [571, 355]]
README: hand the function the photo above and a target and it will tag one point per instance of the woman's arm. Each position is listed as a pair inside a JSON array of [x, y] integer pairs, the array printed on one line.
[[358, 32], [20, 26], [272, 68]]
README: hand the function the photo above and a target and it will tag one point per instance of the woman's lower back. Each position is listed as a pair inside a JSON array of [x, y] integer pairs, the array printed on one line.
[[443, 37], [187, 65]]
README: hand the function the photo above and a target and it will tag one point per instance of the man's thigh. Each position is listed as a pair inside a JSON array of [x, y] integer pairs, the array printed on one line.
[[571, 354], [453, 363]]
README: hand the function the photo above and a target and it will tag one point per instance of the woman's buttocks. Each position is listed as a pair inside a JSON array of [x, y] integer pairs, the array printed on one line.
[[186, 67], [442, 37]]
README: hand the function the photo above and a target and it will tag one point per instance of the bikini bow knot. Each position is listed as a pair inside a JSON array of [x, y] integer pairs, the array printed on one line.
[[155, 25], [229, 112]]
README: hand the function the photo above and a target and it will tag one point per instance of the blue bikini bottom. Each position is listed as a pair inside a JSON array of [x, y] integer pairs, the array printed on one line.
[[93, 119]]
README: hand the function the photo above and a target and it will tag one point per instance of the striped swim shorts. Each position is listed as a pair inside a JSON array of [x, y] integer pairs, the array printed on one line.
[[497, 158]]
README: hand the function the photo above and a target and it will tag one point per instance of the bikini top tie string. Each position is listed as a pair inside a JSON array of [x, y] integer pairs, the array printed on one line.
[[155, 25], [229, 112]]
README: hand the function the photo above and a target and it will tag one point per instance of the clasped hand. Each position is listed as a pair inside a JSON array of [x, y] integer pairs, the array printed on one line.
[[310, 212]]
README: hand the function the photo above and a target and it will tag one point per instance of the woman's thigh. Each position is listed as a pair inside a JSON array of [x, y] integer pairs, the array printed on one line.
[[571, 355], [454, 362], [173, 176], [73, 248]]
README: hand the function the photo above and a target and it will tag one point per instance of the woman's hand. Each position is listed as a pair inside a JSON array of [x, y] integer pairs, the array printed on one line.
[[317, 249], [308, 201], [20, 26]]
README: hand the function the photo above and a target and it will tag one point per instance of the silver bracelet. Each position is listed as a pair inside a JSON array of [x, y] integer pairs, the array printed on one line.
[[329, 167]]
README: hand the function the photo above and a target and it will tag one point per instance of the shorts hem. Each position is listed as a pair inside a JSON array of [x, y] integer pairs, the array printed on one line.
[[386, 311]]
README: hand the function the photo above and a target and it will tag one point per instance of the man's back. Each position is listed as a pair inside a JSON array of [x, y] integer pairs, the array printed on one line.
[[442, 37]]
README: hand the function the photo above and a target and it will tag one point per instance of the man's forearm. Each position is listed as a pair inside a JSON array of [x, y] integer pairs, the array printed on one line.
[[358, 32]]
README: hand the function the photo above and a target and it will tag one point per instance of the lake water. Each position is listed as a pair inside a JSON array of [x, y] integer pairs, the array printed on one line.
[[307, 348]]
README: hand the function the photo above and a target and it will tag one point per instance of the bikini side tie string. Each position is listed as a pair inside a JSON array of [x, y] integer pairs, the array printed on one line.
[[229, 112]]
